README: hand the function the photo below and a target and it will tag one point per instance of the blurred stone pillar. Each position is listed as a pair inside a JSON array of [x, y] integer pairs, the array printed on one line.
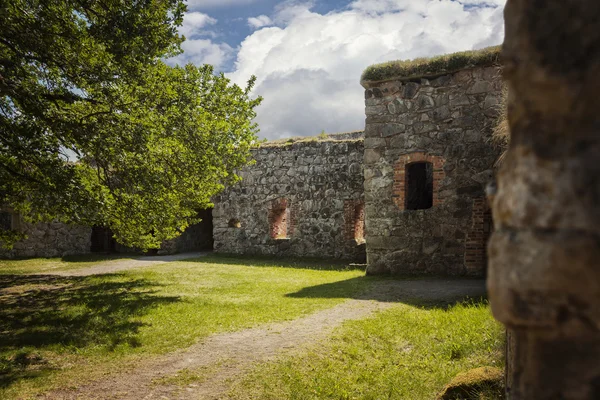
[[544, 278]]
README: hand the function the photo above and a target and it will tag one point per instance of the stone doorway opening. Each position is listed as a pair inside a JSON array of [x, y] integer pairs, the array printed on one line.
[[102, 240], [204, 230]]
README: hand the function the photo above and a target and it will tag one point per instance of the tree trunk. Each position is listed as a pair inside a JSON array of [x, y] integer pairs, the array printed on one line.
[[544, 278]]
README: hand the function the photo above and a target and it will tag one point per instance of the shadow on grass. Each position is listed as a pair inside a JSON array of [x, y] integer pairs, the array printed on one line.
[[319, 264], [43, 312], [420, 292], [97, 257]]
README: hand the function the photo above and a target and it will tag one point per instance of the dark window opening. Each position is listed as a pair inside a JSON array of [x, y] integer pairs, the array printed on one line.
[[359, 222], [6, 221], [419, 186]]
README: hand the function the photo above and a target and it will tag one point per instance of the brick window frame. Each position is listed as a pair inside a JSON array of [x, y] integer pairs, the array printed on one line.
[[354, 220], [400, 176], [282, 218]]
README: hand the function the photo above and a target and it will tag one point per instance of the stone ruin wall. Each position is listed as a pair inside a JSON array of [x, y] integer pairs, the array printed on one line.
[[196, 237], [53, 239], [447, 122], [56, 239], [309, 198], [301, 199]]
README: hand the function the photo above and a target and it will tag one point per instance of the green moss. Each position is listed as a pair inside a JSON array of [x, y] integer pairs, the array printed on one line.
[[421, 67], [475, 384]]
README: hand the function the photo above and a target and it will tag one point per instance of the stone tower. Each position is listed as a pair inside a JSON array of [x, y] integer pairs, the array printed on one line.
[[428, 157]]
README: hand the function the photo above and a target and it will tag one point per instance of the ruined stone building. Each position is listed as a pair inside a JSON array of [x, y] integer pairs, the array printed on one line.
[[301, 198], [406, 196], [428, 157]]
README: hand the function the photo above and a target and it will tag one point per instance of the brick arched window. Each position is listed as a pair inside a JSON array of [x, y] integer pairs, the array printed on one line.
[[281, 221], [417, 178], [354, 220]]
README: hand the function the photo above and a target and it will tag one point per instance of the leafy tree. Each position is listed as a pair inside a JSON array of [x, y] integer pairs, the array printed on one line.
[[96, 129]]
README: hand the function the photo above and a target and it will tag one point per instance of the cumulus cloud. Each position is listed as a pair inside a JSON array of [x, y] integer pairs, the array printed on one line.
[[198, 48], [203, 51], [194, 24], [309, 65], [259, 22]]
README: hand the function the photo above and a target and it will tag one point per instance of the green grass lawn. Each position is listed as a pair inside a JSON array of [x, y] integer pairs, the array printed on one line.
[[59, 331], [408, 352], [46, 265]]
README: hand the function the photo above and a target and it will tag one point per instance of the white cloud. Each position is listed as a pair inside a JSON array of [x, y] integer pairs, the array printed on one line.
[[308, 67], [203, 51], [193, 24], [291, 10], [259, 22], [203, 4]]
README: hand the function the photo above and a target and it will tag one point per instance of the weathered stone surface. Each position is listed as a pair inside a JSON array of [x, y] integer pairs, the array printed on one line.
[[52, 239], [392, 129], [442, 120], [322, 186], [544, 276], [409, 90]]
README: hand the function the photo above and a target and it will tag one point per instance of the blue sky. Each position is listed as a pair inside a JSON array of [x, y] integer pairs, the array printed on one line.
[[308, 54], [232, 16]]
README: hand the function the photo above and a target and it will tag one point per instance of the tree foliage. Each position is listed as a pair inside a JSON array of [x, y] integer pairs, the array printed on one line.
[[96, 129]]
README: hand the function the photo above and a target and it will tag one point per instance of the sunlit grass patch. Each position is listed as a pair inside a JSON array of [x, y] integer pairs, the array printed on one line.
[[60, 331], [45, 265], [407, 352]]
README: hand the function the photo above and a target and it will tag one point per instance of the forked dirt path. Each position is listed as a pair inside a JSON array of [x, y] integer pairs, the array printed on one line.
[[110, 267], [229, 355]]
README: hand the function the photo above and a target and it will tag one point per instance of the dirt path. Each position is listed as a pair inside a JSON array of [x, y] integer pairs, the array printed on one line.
[[227, 356], [109, 267]]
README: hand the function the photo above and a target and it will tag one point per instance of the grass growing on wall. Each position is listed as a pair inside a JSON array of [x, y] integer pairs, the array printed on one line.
[[407, 69], [320, 138]]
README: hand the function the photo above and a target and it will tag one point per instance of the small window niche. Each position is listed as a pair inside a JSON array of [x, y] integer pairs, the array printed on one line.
[[279, 220], [234, 223], [359, 223], [419, 186]]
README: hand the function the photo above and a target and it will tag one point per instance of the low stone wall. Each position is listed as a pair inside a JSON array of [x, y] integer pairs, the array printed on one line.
[[300, 199], [445, 124], [53, 239]]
